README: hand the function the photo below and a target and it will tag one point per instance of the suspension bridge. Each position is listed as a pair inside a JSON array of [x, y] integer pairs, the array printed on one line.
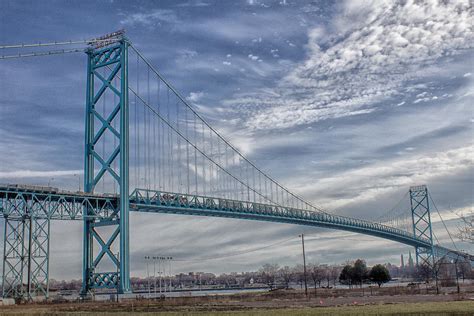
[[148, 150]]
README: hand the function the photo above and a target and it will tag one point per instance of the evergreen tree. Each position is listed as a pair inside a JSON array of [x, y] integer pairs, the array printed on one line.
[[379, 274]]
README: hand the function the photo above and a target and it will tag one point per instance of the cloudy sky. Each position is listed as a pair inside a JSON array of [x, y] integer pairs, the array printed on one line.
[[346, 103]]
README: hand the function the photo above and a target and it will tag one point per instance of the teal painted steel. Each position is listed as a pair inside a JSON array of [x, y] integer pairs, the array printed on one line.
[[124, 174], [111, 58], [18, 202], [421, 220], [102, 210], [142, 200], [26, 255], [88, 174]]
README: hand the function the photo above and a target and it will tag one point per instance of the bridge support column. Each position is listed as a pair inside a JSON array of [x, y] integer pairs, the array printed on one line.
[[107, 64], [26, 257], [420, 211]]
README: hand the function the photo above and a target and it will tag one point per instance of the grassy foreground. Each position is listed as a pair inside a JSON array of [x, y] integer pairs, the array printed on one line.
[[429, 308], [438, 308]]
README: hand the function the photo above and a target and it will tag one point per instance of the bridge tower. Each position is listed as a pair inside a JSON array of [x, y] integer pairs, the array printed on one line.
[[107, 72], [25, 252], [421, 217]]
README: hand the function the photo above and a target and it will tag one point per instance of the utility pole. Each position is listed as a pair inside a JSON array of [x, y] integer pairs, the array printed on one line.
[[457, 276], [304, 266]]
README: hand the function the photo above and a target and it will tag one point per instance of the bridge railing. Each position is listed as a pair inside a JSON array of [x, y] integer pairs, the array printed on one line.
[[170, 199]]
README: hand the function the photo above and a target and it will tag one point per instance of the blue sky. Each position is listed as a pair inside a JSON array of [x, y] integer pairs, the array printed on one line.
[[346, 103]]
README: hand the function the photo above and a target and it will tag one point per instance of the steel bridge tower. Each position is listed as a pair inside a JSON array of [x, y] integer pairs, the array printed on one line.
[[25, 253], [109, 57], [421, 217]]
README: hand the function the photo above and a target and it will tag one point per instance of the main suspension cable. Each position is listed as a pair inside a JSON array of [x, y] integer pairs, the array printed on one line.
[[444, 224], [218, 134]]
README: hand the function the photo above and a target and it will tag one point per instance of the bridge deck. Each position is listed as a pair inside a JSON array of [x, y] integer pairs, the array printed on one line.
[[17, 201]]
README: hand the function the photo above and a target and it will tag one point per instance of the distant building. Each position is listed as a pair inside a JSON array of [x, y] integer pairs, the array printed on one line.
[[411, 265], [402, 261]]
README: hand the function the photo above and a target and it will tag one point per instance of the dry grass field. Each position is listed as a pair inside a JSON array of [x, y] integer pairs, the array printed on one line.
[[261, 304]]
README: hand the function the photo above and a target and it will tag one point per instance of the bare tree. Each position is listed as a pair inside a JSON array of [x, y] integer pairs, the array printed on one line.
[[298, 273], [466, 230], [327, 275], [424, 272], [268, 273], [317, 274], [335, 271], [465, 269], [286, 274]]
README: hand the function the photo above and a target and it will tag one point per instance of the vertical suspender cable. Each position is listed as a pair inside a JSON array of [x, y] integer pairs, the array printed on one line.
[[154, 147], [212, 183], [170, 150], [219, 180], [158, 137], [144, 144], [180, 184], [138, 127], [227, 167], [163, 150], [203, 159], [187, 152], [115, 137], [253, 185], [248, 177], [148, 131], [195, 156]]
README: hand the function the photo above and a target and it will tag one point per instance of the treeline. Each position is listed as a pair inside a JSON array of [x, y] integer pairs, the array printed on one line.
[[326, 276], [352, 274]]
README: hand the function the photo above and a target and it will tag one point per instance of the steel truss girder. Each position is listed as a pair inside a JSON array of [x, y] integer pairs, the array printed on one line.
[[421, 219], [115, 58], [26, 257], [167, 202], [19, 202], [143, 200]]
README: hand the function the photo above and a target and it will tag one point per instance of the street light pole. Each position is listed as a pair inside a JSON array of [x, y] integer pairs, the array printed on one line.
[[170, 258], [159, 271], [154, 276], [79, 180], [304, 266], [148, 275]]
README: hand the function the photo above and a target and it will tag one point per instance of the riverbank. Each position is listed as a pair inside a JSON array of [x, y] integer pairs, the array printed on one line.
[[265, 304]]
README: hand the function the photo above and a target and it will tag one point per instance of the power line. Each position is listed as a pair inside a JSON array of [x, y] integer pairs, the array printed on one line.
[[238, 252]]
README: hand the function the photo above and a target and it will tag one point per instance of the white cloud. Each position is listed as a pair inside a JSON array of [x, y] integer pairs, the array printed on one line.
[[381, 47], [195, 96], [253, 57], [370, 182], [149, 19]]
